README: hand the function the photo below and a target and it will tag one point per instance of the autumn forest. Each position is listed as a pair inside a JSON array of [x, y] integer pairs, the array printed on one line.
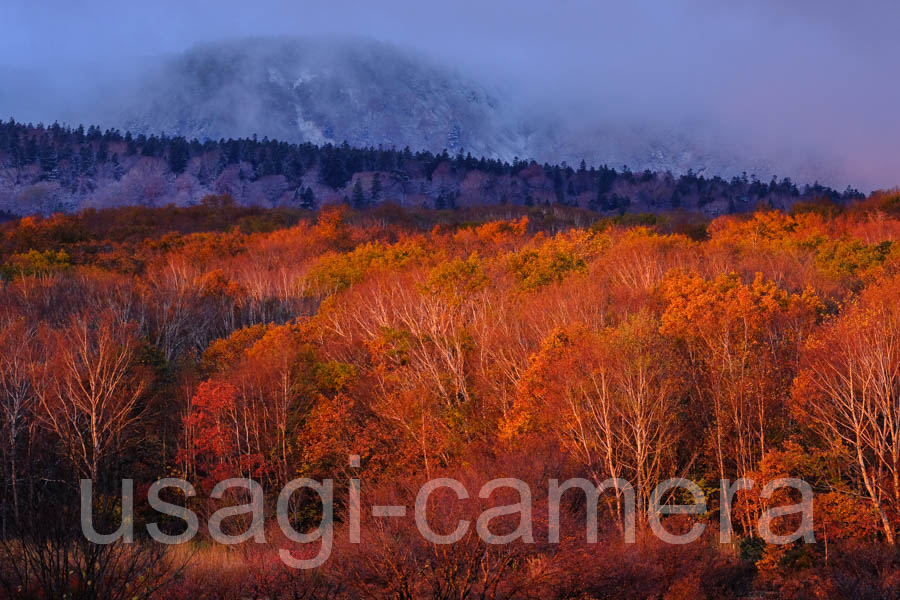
[[217, 341]]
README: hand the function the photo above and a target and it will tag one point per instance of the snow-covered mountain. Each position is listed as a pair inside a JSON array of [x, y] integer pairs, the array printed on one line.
[[364, 93], [370, 93]]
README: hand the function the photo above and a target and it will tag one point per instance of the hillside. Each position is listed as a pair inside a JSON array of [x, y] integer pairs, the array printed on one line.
[[268, 344], [51, 169]]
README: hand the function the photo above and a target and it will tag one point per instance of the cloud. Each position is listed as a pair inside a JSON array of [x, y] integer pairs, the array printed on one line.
[[792, 82]]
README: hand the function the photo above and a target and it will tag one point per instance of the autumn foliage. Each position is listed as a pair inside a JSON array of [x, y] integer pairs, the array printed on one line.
[[535, 343]]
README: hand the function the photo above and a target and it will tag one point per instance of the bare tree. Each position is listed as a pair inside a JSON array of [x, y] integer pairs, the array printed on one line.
[[849, 389], [89, 387], [16, 396]]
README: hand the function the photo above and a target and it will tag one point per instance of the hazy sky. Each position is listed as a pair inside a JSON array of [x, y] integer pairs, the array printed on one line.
[[786, 78]]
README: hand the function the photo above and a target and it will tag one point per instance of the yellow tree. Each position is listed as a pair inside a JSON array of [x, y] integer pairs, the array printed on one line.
[[740, 340]]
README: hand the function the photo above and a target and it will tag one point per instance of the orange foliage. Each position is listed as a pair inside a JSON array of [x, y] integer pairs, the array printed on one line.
[[220, 341]]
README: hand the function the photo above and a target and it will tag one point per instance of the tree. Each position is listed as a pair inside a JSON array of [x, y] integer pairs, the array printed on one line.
[[49, 159], [376, 188], [308, 199], [358, 198], [90, 387], [333, 172], [276, 386], [848, 390], [179, 154], [611, 398], [16, 397], [741, 343], [211, 450]]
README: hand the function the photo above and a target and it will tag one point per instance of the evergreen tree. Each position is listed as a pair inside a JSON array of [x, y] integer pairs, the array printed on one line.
[[130, 145], [333, 171], [117, 169], [376, 188], [358, 198], [86, 160], [150, 147], [49, 162], [31, 151], [675, 201], [179, 153], [308, 199], [103, 151]]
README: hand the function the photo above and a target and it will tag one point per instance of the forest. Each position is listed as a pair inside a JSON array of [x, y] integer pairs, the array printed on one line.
[[221, 338], [48, 169]]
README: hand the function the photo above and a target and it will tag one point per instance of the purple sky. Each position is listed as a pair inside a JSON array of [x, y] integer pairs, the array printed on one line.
[[783, 78]]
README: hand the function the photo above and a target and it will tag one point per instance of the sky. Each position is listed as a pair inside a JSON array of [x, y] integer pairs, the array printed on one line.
[[793, 80]]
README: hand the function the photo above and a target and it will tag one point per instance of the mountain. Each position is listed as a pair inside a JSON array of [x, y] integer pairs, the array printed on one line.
[[321, 91], [375, 94], [370, 93]]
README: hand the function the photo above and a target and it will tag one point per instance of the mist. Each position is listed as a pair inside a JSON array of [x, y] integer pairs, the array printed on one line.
[[808, 90]]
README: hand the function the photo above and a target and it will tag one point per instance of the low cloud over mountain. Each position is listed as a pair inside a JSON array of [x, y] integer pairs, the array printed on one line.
[[370, 93]]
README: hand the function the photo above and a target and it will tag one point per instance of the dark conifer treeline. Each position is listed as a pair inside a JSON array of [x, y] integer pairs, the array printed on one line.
[[57, 168]]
